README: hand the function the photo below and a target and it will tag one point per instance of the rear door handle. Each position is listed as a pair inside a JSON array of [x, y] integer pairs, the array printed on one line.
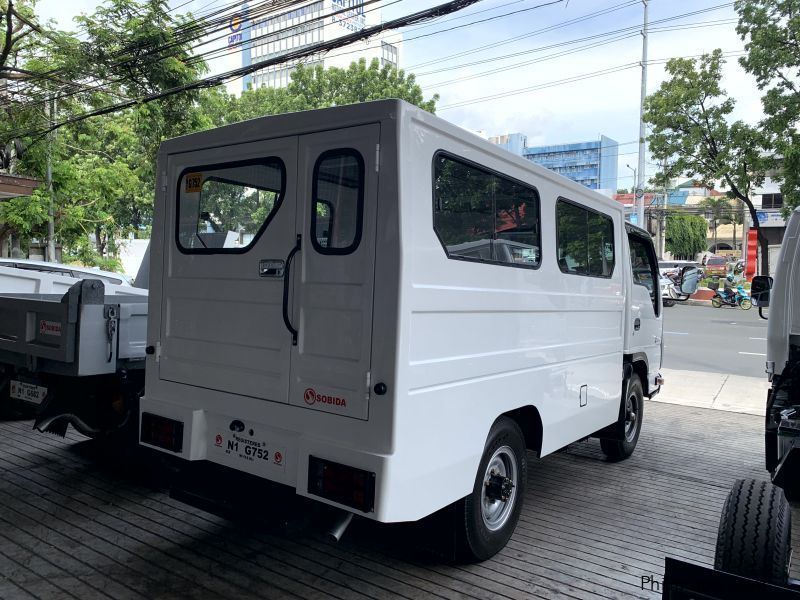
[[286, 281], [637, 324]]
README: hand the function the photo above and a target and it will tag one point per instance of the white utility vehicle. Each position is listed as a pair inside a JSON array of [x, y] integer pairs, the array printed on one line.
[[754, 543], [382, 311]]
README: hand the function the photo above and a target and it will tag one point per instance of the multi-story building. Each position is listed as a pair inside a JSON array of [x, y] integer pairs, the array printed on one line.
[[593, 164], [263, 36]]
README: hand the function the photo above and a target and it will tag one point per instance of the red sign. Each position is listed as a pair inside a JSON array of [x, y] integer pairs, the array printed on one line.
[[752, 254], [218, 440]]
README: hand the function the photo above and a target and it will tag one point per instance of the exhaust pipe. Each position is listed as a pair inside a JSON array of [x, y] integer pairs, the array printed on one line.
[[340, 524]]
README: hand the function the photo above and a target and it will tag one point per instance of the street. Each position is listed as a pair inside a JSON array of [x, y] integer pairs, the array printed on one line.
[[716, 340]]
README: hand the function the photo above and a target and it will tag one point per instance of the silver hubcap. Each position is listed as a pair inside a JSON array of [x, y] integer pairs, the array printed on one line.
[[631, 418], [499, 492]]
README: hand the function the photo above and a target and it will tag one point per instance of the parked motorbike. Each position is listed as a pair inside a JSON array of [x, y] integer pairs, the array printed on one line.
[[728, 296], [668, 293]]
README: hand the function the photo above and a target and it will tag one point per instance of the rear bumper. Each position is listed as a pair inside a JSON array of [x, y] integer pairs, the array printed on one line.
[[281, 456]]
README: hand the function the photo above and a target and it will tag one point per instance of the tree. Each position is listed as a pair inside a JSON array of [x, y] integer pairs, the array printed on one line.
[[771, 29], [685, 235], [103, 168], [316, 87], [688, 115]]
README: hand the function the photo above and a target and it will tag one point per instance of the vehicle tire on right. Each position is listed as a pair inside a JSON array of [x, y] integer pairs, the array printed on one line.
[[746, 304], [754, 533], [632, 411]]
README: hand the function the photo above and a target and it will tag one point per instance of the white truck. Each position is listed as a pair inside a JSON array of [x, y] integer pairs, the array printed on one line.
[[385, 313], [72, 351], [754, 543]]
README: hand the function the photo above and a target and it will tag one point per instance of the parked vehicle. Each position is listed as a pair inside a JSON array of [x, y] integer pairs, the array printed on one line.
[[675, 266], [72, 351], [716, 265], [668, 293], [66, 270], [754, 547], [730, 296], [337, 306]]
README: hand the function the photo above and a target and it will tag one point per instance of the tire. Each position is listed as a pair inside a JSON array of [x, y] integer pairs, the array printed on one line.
[[632, 412], [484, 525], [746, 304], [754, 533], [668, 303], [716, 302]]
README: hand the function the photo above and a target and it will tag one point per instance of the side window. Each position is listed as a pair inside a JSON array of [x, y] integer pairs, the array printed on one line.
[[485, 217], [225, 208], [338, 197], [585, 240], [643, 267]]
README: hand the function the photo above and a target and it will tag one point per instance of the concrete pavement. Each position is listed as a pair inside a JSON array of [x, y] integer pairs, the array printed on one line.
[[720, 391]]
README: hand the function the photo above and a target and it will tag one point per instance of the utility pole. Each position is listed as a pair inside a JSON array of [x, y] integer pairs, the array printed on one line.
[[639, 195], [662, 217], [50, 109]]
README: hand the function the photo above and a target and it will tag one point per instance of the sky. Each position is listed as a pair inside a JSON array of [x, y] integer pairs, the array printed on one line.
[[477, 95]]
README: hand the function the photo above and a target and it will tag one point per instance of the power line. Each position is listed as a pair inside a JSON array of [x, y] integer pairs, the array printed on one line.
[[572, 79], [567, 23], [420, 16]]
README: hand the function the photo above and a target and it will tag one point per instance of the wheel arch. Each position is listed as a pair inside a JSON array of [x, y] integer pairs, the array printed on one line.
[[530, 422], [636, 364]]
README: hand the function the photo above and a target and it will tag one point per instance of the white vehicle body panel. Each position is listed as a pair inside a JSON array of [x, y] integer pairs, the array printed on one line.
[[24, 281], [456, 343], [783, 327]]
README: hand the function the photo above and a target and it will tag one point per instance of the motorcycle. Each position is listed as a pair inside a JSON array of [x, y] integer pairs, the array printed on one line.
[[728, 296], [668, 292]]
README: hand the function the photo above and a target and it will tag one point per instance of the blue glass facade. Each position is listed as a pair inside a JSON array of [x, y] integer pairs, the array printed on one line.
[[593, 164]]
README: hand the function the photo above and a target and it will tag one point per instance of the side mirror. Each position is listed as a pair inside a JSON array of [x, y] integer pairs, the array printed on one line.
[[760, 289], [689, 280]]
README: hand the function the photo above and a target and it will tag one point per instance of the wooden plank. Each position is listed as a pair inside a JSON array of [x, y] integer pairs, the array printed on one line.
[[72, 527]]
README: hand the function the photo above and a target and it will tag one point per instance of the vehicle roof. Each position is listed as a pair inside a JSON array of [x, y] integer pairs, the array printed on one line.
[[351, 115]]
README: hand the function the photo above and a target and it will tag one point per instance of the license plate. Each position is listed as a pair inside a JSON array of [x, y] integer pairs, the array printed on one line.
[[27, 391]]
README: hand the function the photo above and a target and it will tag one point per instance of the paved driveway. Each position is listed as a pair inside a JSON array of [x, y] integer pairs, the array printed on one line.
[[73, 525]]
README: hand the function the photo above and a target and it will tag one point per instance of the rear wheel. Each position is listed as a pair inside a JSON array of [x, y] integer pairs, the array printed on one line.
[[746, 304], [754, 533], [633, 411], [488, 516], [716, 302]]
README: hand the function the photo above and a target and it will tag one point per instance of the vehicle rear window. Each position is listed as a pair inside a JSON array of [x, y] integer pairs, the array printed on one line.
[[225, 208], [338, 197], [715, 261]]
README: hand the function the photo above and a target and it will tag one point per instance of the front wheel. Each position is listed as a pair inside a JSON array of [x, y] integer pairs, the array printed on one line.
[[631, 420], [488, 516], [716, 302], [746, 304], [667, 302]]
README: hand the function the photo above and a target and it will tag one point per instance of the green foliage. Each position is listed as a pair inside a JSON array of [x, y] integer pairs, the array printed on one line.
[[104, 167], [690, 129], [316, 87], [771, 29], [685, 235]]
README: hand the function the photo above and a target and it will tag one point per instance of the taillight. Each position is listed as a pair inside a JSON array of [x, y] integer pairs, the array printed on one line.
[[340, 483]]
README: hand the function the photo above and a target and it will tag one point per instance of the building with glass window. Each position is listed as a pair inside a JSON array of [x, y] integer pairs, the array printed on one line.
[[593, 164], [260, 37]]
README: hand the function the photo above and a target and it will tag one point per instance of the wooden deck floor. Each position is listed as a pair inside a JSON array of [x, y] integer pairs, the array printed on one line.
[[72, 525]]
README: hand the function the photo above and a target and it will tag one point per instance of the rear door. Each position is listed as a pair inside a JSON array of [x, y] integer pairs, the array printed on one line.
[[332, 295], [234, 221], [646, 329]]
